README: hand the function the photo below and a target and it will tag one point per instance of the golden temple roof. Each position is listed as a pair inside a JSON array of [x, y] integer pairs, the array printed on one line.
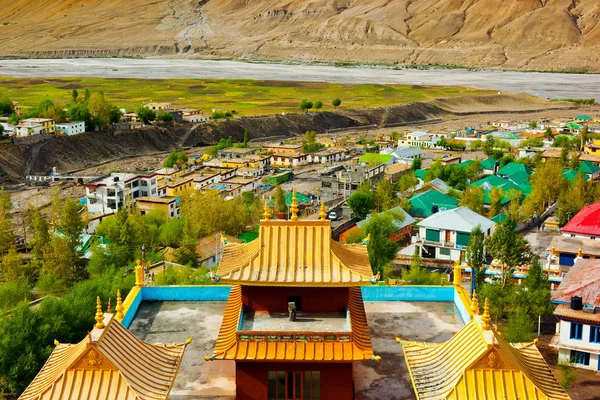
[[478, 364], [110, 363], [295, 253], [354, 345]]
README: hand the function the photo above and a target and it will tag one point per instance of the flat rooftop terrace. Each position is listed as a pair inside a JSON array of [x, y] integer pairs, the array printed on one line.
[[306, 322], [175, 321]]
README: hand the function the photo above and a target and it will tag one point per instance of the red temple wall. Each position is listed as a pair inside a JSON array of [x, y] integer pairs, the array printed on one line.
[[261, 298], [252, 378]]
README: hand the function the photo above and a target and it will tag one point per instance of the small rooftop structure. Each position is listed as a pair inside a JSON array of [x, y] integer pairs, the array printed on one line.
[[110, 363]]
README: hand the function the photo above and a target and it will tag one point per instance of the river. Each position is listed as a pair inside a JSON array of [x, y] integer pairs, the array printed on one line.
[[546, 85]]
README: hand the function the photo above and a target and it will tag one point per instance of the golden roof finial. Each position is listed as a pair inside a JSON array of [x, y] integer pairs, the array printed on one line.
[[485, 318], [322, 212], [553, 250], [267, 213], [475, 303], [99, 314], [119, 307], [139, 273], [580, 252], [457, 274], [294, 206]]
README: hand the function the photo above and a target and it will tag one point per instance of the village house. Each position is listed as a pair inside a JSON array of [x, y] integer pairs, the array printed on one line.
[[48, 124], [326, 156], [420, 139], [406, 154], [289, 159], [578, 330], [393, 172], [156, 106], [344, 181], [210, 176], [108, 193], [25, 129], [71, 128], [236, 152], [169, 206], [194, 115], [174, 186], [445, 234], [280, 148], [429, 202]]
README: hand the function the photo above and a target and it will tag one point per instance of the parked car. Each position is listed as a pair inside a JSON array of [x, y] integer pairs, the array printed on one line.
[[335, 215]]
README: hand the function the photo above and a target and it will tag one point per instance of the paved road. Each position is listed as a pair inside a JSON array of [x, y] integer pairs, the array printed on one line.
[[545, 85]]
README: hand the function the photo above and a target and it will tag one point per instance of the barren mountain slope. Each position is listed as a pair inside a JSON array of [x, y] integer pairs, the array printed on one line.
[[519, 34]]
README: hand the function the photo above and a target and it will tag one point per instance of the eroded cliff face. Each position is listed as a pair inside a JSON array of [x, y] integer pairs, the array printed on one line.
[[516, 34]]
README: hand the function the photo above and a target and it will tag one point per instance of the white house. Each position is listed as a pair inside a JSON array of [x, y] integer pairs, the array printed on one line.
[[8, 129], [28, 129], [578, 331], [326, 156], [71, 128], [445, 235], [420, 139], [109, 193], [406, 154]]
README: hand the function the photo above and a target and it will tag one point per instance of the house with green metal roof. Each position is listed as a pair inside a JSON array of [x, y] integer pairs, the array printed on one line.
[[423, 203], [420, 173], [494, 181], [488, 165], [376, 158], [589, 168], [513, 168], [500, 218], [570, 174], [465, 163]]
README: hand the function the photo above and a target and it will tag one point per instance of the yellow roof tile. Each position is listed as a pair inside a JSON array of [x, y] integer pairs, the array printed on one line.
[[111, 363], [357, 348], [479, 364], [295, 253]]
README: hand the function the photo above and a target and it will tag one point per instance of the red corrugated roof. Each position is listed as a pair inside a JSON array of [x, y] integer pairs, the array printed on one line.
[[586, 222], [583, 280]]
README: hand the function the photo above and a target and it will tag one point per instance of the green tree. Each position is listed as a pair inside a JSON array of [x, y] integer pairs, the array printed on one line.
[[318, 105], [476, 253], [407, 181], [510, 249], [74, 95], [584, 135], [548, 133], [496, 197], [146, 115], [58, 260], [178, 158], [13, 119], [12, 265], [520, 327], [381, 249], [80, 112], [472, 170], [336, 102], [1, 130], [532, 142], [306, 105], [533, 124], [476, 144], [473, 199], [100, 107], [574, 162], [164, 116], [488, 146], [71, 225], [385, 195], [279, 198], [115, 115], [6, 229], [361, 204], [417, 275], [246, 137], [41, 232], [416, 164], [86, 96], [6, 107]]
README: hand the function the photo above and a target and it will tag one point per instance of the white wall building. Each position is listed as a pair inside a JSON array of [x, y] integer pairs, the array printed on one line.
[[326, 156], [445, 235], [71, 128], [109, 193], [406, 154], [578, 331], [420, 139], [28, 129]]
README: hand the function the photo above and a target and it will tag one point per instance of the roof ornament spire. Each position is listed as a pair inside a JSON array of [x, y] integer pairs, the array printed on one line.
[[580, 252], [294, 206], [485, 318], [119, 307], [322, 212], [475, 303], [99, 314], [457, 274], [267, 213]]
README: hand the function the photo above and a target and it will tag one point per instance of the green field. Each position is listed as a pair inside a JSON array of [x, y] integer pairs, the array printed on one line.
[[247, 97]]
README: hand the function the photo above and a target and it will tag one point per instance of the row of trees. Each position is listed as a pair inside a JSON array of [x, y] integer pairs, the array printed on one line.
[[306, 104]]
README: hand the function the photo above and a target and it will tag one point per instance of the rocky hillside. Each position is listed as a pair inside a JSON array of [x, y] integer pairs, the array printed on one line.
[[515, 34]]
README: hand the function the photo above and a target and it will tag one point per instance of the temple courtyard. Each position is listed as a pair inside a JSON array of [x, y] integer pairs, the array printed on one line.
[[174, 322]]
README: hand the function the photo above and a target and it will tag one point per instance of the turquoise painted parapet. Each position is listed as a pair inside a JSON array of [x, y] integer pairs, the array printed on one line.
[[186, 293], [132, 309], [408, 293], [461, 307]]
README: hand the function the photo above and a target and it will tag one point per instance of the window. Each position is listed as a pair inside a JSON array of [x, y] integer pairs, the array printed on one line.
[[576, 331], [432, 235], [594, 334], [580, 357], [294, 385], [444, 252]]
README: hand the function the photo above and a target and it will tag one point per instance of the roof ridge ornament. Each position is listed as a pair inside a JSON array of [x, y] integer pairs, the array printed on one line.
[[119, 307], [485, 318], [322, 211], [294, 206], [475, 303], [267, 212], [99, 314]]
